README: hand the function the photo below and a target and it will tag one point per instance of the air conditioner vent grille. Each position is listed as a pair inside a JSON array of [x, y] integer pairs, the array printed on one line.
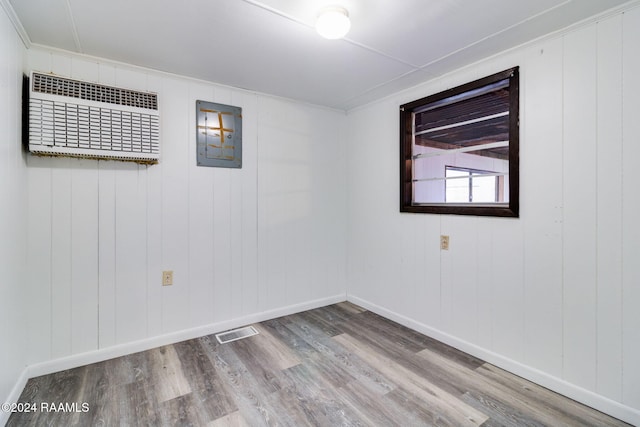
[[81, 119], [61, 124], [54, 85]]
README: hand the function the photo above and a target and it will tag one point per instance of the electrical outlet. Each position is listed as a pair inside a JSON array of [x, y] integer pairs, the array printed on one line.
[[444, 242], [167, 278]]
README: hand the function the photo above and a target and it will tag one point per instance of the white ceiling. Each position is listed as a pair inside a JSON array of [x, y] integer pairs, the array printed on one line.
[[270, 46]]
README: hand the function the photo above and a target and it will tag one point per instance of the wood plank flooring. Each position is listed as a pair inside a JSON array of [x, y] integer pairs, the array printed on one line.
[[335, 366]]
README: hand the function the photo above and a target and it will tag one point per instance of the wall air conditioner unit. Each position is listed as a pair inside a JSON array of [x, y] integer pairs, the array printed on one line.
[[81, 119]]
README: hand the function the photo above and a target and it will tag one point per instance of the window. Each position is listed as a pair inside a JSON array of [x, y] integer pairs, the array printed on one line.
[[464, 185], [459, 149]]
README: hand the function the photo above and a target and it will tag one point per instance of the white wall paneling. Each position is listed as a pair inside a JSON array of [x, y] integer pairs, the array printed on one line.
[[176, 193], [301, 194], [373, 183], [549, 295], [201, 205], [106, 254], [459, 269], [579, 206], [541, 205], [237, 231], [39, 279], [14, 295], [507, 289], [609, 208], [130, 252], [240, 241], [249, 212], [426, 302], [60, 252], [84, 253], [487, 262], [630, 208], [154, 226]]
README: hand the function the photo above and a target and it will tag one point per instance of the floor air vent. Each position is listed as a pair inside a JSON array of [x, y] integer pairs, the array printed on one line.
[[236, 334]]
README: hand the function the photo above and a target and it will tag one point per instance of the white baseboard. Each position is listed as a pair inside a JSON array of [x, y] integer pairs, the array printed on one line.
[[100, 355], [589, 398], [558, 385], [14, 395], [81, 359]]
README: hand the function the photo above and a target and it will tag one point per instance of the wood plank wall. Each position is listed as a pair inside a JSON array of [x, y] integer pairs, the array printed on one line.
[[13, 205], [555, 290], [240, 242]]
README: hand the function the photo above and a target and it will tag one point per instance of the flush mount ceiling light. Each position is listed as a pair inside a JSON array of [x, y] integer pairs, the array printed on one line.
[[333, 22]]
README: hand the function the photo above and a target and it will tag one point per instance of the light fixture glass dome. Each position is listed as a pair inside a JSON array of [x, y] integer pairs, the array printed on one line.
[[333, 22]]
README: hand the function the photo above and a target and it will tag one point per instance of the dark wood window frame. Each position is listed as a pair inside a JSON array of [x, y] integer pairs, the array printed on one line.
[[406, 162]]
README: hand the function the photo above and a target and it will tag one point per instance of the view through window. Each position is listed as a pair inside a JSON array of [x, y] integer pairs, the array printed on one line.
[[459, 149], [468, 185]]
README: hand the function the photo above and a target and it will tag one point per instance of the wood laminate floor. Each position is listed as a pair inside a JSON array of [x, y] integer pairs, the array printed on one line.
[[333, 366]]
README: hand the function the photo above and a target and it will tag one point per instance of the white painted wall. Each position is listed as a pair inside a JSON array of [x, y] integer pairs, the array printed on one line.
[[553, 295], [13, 205], [240, 242]]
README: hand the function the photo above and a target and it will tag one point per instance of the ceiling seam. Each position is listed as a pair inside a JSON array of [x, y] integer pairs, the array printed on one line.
[[74, 29], [274, 11], [378, 52], [399, 78], [354, 43], [435, 61], [512, 26], [347, 104]]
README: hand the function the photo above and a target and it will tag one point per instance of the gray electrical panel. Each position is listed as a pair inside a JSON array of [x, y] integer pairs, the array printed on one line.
[[219, 135]]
